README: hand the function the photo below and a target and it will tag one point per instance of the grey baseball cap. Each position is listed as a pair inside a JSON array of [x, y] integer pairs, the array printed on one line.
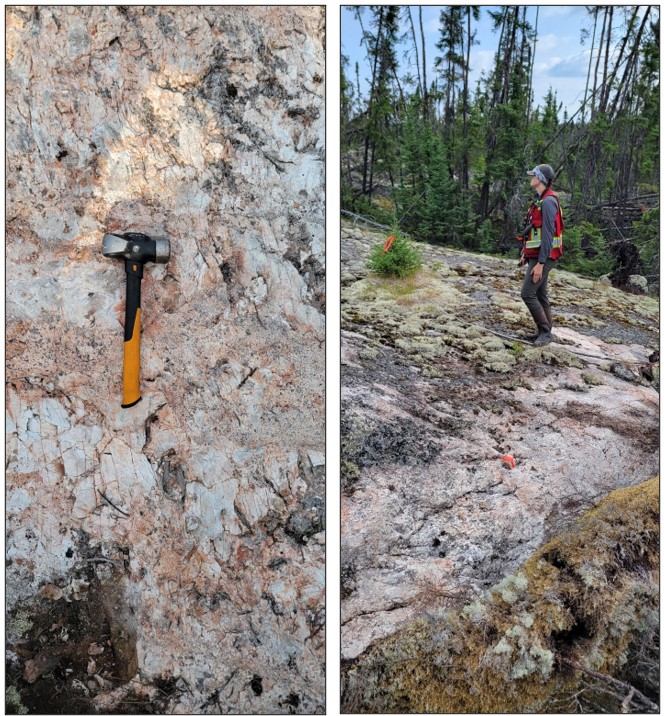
[[544, 172]]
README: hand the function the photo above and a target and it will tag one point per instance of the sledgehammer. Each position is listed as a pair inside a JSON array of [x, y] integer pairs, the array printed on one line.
[[136, 249]]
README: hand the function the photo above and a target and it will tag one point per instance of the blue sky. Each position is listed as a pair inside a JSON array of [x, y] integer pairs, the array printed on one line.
[[561, 61]]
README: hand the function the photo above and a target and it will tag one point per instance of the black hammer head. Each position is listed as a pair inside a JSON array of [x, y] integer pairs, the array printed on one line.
[[136, 247]]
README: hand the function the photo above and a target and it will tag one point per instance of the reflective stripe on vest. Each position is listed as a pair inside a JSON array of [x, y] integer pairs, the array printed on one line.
[[535, 240]]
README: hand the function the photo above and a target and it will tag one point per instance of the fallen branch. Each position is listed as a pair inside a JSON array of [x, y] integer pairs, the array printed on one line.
[[624, 706], [508, 338], [529, 343], [622, 685], [358, 217]]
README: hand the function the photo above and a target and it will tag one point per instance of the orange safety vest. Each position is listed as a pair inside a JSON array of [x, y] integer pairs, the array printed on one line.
[[533, 239]]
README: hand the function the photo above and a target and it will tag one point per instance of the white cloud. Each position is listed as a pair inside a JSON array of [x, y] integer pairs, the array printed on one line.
[[545, 65], [569, 67], [482, 61], [547, 11], [548, 42], [578, 59], [570, 92], [430, 26]]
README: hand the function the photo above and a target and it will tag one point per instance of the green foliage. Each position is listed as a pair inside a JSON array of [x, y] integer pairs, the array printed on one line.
[[487, 237], [646, 239], [452, 160], [585, 251], [380, 209], [517, 349], [429, 199], [401, 260]]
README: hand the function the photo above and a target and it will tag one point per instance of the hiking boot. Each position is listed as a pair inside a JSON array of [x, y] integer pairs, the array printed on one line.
[[544, 336], [532, 336], [549, 318]]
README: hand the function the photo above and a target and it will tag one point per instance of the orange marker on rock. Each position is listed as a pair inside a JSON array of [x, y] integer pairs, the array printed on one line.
[[508, 461]]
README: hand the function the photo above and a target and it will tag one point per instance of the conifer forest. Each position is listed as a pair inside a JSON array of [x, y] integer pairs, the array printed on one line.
[[444, 159]]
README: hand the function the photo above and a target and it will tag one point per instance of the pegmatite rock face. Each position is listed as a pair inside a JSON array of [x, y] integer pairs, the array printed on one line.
[[191, 526]]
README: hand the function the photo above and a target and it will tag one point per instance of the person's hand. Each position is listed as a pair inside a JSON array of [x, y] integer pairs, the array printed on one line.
[[536, 273]]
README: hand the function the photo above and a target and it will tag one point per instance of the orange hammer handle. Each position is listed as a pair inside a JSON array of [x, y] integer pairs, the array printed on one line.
[[131, 368]]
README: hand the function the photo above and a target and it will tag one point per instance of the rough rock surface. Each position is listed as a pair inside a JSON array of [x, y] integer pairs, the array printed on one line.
[[191, 525], [546, 639], [432, 401]]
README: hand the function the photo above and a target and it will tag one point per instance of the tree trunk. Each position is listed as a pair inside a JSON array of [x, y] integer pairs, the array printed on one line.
[[417, 56], [425, 97], [501, 53], [465, 177], [630, 26], [180, 539], [508, 57], [532, 69], [367, 137], [605, 84], [590, 61], [631, 62], [599, 56]]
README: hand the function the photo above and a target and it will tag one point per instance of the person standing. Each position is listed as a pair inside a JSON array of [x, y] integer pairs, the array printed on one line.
[[542, 247]]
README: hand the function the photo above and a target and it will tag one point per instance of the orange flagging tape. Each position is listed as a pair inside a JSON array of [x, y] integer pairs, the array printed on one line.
[[388, 243]]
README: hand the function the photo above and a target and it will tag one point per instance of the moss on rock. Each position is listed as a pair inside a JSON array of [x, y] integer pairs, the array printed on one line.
[[422, 347], [559, 357], [13, 702], [369, 353]]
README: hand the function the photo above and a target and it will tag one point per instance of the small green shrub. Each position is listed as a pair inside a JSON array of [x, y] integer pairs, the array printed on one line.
[[402, 259]]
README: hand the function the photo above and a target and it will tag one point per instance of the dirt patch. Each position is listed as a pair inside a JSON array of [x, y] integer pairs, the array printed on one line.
[[69, 643], [646, 435], [372, 443]]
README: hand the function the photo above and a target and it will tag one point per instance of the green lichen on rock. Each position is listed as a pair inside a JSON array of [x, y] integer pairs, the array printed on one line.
[[19, 624], [559, 357], [369, 353], [509, 589], [461, 297], [13, 701], [586, 596], [350, 474], [592, 379], [486, 352], [422, 348]]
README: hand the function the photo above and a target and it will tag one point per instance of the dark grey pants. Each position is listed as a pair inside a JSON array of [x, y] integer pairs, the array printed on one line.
[[535, 295]]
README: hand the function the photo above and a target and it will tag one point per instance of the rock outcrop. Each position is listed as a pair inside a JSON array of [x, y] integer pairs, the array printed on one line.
[[432, 399], [543, 639], [184, 536]]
